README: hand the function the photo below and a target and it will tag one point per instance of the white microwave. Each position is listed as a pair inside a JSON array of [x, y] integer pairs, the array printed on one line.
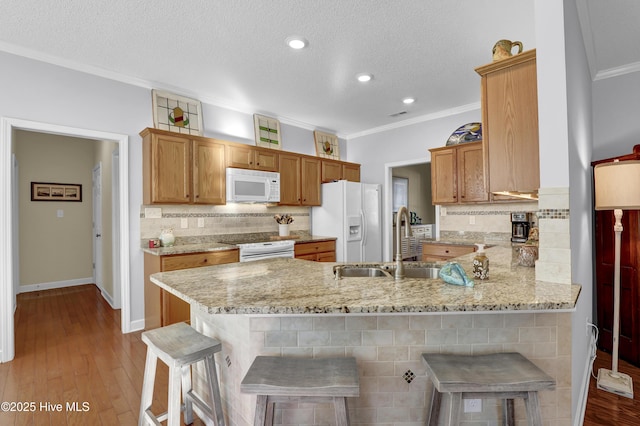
[[252, 186]]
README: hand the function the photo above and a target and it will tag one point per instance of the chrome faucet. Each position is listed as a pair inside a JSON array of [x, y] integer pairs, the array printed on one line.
[[407, 233]]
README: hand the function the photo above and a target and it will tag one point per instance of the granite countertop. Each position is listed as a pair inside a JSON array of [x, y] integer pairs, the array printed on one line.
[[226, 242], [294, 286]]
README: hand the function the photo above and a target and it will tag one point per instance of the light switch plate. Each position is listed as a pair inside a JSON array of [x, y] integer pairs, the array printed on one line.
[[201, 222], [60, 213], [184, 222]]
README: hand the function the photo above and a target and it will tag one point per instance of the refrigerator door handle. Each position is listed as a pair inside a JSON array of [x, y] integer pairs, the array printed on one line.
[[364, 228]]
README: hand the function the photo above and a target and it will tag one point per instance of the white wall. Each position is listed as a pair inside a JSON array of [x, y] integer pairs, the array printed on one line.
[[580, 155], [406, 143], [616, 107]]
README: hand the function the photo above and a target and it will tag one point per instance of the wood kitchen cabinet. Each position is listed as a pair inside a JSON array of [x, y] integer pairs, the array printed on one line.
[[457, 174], [318, 251], [436, 252], [299, 180], [162, 308], [182, 169], [604, 242], [337, 170], [510, 123], [248, 157]]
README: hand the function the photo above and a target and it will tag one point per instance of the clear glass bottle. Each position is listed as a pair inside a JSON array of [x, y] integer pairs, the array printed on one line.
[[481, 263]]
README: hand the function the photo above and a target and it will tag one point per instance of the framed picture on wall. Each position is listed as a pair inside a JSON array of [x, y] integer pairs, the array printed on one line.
[[267, 132], [326, 145], [49, 191], [176, 113]]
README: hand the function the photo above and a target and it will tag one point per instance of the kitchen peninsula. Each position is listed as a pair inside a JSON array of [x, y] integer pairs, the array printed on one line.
[[291, 307]]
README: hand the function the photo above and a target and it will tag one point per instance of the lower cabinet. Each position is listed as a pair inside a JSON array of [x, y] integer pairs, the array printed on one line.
[[442, 252], [318, 251], [163, 308]]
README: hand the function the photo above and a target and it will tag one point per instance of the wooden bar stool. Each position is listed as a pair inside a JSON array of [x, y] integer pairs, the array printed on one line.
[[502, 376], [179, 346], [279, 379]]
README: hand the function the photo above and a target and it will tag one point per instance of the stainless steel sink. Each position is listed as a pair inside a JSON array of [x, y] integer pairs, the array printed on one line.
[[422, 271], [362, 272]]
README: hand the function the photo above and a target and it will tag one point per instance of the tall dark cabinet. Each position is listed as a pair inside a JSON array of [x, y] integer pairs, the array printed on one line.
[[629, 341]]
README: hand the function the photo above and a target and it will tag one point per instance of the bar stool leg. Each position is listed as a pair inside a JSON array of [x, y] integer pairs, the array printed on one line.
[[534, 417], [174, 405], [186, 388], [434, 410], [214, 390], [342, 414], [260, 418], [456, 405], [147, 386], [508, 413]]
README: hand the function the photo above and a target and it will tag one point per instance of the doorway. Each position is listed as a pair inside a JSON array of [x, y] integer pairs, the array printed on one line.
[[8, 127], [427, 211]]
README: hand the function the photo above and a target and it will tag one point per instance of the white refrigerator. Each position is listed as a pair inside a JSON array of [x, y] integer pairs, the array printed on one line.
[[352, 212]]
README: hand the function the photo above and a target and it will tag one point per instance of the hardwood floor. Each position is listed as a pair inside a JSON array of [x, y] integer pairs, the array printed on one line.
[[69, 349], [605, 408]]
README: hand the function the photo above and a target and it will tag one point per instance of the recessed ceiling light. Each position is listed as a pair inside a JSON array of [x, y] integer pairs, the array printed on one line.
[[296, 42], [364, 77], [408, 100]]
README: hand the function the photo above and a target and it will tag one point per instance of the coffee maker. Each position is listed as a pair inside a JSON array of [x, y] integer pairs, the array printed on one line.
[[520, 226]]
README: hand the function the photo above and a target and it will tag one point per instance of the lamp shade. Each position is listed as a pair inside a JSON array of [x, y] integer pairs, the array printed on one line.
[[617, 185]]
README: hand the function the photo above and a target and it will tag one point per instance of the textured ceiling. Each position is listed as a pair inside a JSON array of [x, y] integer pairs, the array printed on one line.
[[232, 52]]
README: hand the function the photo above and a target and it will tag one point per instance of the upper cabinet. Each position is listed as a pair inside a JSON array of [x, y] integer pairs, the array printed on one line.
[[184, 169], [179, 169], [333, 170], [299, 180], [510, 124], [248, 157], [457, 174]]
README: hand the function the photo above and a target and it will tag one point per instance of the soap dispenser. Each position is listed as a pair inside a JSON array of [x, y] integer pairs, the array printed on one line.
[[481, 263]]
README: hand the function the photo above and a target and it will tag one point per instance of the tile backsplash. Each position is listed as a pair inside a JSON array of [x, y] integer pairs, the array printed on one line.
[[217, 220], [482, 218]]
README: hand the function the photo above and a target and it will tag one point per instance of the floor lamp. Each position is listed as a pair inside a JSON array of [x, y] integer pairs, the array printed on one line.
[[617, 188]]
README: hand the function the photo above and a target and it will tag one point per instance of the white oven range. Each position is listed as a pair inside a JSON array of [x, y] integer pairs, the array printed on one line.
[[266, 250]]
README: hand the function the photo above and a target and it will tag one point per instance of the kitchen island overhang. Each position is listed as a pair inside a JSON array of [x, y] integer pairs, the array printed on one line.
[[289, 307]]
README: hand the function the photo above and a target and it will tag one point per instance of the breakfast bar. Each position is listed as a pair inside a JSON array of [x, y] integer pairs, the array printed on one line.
[[292, 307]]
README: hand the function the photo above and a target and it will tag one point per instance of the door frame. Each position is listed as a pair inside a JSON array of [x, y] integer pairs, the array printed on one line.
[[7, 128], [97, 228]]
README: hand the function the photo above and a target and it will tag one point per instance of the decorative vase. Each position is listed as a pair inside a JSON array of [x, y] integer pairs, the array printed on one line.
[[283, 229], [167, 238], [502, 49]]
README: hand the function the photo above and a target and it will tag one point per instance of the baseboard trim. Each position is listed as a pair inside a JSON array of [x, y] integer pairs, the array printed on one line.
[[584, 394], [108, 298], [55, 284], [137, 325]]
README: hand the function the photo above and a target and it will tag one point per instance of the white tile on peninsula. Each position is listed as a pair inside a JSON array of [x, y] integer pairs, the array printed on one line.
[[553, 198]]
